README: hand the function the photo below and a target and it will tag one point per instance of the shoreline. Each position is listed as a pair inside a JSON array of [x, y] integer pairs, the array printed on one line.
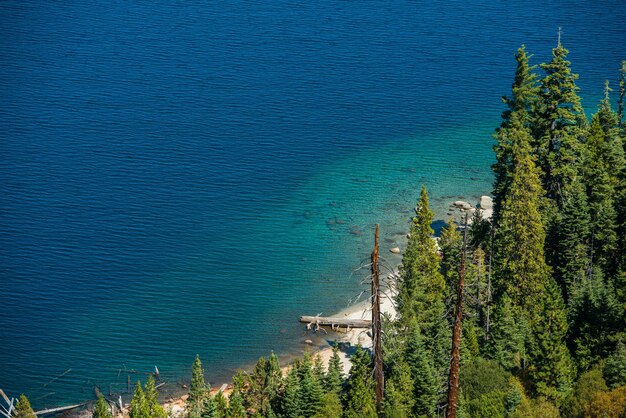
[[352, 337], [318, 343]]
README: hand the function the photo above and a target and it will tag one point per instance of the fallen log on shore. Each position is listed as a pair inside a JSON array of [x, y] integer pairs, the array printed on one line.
[[334, 322], [59, 409]]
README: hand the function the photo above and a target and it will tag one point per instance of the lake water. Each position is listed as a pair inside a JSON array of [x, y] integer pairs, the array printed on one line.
[[190, 177]]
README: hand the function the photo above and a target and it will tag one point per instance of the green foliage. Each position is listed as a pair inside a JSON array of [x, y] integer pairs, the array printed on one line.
[[558, 125], [210, 409], [198, 391], [584, 392], [551, 369], [423, 375], [615, 367], [102, 409], [570, 234], [509, 333], [23, 408], [360, 401], [399, 388], [604, 164], [311, 389], [488, 405], [522, 100], [334, 378], [221, 405], [451, 244], [482, 376], [608, 404], [264, 386], [139, 407], [155, 408], [235, 407], [331, 406], [520, 268], [594, 315], [421, 285], [292, 405]]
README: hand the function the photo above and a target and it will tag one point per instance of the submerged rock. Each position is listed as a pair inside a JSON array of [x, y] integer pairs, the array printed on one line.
[[462, 205], [394, 250]]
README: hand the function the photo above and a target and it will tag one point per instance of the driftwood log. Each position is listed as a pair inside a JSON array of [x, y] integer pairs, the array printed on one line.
[[333, 322]]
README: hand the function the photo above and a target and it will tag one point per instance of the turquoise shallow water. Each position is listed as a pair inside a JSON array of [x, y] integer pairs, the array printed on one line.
[[182, 179]]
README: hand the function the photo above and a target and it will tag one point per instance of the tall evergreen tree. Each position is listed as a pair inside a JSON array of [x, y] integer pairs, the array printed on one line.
[[558, 125], [552, 369], [236, 407], [421, 286], [102, 409], [522, 100], [155, 408], [139, 407], [198, 390], [360, 401], [422, 289], [23, 408], [221, 404], [509, 334], [594, 317], [520, 268], [423, 375], [311, 389], [570, 252], [334, 377], [603, 168], [399, 391], [292, 405]]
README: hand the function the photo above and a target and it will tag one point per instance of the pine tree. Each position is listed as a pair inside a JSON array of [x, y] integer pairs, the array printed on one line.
[[221, 404], [318, 369], [235, 407], [558, 125], [594, 316], [311, 390], [422, 289], [331, 406], [571, 248], [334, 378], [139, 407], [399, 391], [552, 369], [210, 409], [23, 408], [102, 409], [450, 243], [520, 268], [604, 165], [151, 394], [292, 405], [508, 336], [198, 391], [423, 375], [421, 286], [523, 97], [360, 401]]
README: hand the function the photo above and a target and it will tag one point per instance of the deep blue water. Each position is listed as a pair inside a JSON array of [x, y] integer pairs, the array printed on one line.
[[190, 177]]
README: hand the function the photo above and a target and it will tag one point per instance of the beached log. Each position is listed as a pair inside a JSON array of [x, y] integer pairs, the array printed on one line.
[[334, 322], [59, 409]]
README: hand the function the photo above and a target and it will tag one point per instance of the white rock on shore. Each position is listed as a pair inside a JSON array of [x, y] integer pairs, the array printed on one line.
[[486, 203]]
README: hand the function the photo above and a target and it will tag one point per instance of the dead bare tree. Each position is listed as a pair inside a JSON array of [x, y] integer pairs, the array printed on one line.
[[379, 376], [453, 377]]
